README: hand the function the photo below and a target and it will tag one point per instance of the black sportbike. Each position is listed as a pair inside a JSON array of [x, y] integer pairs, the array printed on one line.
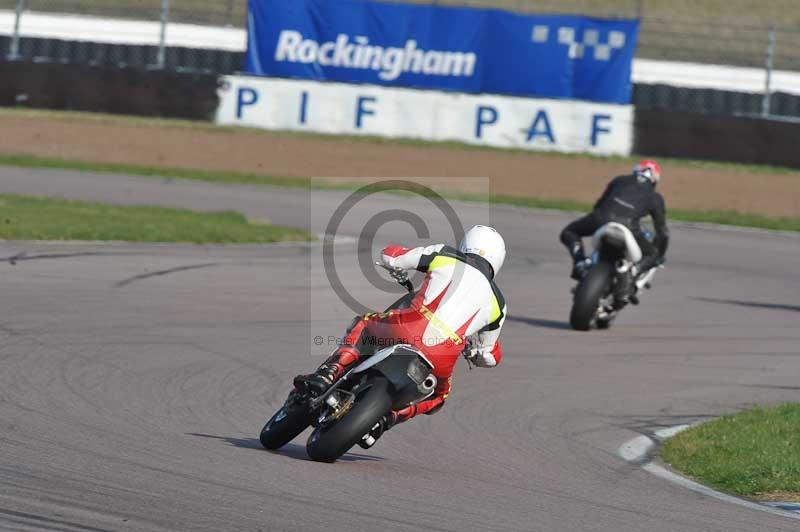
[[610, 281]]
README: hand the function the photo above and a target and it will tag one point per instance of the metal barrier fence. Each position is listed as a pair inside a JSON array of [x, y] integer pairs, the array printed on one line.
[[732, 32], [206, 12], [750, 33]]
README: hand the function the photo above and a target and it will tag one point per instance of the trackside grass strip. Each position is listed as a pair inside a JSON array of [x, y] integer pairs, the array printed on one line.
[[36, 218], [753, 453], [732, 218]]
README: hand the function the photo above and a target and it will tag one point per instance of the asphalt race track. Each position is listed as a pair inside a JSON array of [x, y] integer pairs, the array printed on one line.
[[134, 379]]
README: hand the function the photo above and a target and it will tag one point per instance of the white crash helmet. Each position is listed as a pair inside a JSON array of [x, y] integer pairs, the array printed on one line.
[[485, 242]]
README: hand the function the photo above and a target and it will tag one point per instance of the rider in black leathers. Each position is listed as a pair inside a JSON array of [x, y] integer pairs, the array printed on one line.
[[626, 200]]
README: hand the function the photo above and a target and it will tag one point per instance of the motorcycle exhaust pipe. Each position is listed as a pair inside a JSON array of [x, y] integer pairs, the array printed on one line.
[[426, 387]]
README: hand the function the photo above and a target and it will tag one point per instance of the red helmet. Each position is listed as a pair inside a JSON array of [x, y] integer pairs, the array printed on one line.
[[648, 169]]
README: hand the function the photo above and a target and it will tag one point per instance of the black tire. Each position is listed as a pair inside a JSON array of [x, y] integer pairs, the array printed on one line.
[[588, 294], [329, 443], [281, 429]]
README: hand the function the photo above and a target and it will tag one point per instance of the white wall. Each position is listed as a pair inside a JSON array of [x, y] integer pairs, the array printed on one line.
[[337, 108], [721, 77], [71, 27]]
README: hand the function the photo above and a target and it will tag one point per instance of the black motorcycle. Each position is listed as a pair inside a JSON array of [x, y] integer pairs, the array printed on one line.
[[610, 281], [349, 413]]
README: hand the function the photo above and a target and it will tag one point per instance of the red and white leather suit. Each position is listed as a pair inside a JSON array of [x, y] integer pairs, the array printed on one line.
[[455, 303]]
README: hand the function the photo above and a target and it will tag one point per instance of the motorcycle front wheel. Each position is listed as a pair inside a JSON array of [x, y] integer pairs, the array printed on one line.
[[328, 443], [285, 425]]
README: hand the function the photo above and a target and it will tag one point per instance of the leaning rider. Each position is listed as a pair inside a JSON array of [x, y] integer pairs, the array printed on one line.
[[457, 305], [626, 200]]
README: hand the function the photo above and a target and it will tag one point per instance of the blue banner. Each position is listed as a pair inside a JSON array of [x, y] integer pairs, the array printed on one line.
[[450, 48]]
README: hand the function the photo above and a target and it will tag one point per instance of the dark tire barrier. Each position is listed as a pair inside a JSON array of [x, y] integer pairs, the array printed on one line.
[[711, 101], [130, 91], [717, 138], [205, 60]]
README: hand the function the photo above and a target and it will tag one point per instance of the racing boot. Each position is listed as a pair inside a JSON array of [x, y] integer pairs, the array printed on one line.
[[579, 269], [330, 371], [646, 264], [580, 262]]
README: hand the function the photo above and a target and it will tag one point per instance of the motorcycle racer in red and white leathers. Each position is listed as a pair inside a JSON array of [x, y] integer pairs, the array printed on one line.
[[457, 307]]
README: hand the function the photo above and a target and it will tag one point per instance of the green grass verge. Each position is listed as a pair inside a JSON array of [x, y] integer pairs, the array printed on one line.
[[36, 218], [752, 453], [34, 161], [731, 218]]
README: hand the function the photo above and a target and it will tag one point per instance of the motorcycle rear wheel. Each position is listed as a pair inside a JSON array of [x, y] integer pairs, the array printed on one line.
[[588, 294], [327, 444]]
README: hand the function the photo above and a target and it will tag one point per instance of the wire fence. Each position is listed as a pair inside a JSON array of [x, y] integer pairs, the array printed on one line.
[[733, 32], [232, 13], [745, 33]]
